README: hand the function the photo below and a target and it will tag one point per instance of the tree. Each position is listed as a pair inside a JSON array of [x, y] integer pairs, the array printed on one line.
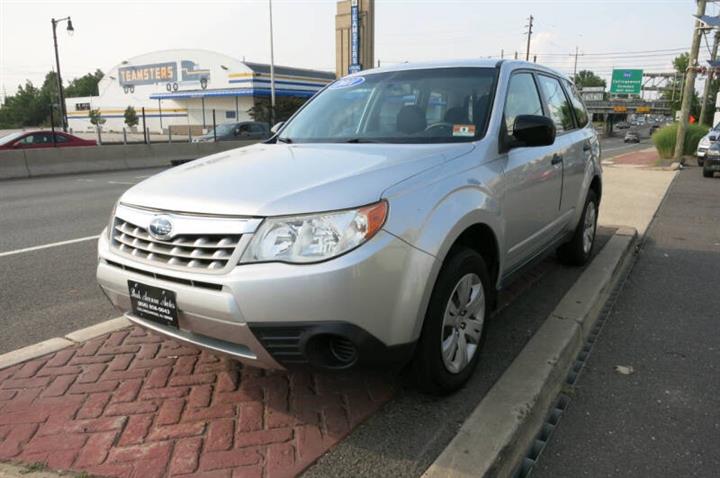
[[131, 117], [587, 78], [95, 117], [30, 106], [673, 93], [285, 107], [86, 85]]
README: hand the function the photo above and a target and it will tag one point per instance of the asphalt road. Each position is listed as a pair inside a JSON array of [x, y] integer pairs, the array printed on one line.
[[616, 145], [663, 419], [51, 291]]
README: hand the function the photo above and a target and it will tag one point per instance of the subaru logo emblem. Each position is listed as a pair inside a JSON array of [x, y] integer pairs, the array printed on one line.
[[161, 228]]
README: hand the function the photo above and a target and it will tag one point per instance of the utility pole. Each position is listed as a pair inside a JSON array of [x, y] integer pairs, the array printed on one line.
[[689, 85], [575, 67], [709, 79], [529, 35]]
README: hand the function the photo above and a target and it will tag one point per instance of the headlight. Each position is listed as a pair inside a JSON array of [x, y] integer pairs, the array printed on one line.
[[111, 221], [314, 237]]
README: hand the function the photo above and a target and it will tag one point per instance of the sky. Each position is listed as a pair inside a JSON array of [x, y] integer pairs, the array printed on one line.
[[607, 33]]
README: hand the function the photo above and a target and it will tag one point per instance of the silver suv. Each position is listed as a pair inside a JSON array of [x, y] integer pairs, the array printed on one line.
[[375, 227]]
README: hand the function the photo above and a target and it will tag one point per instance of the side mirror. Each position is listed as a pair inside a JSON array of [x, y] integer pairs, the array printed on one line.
[[533, 130], [277, 127]]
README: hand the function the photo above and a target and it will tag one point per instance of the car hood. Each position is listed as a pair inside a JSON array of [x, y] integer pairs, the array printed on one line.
[[282, 179]]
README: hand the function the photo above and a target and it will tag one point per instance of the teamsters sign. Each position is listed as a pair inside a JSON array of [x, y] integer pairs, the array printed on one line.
[[148, 74]]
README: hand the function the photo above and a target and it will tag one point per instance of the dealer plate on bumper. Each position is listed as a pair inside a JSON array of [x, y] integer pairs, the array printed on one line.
[[153, 303]]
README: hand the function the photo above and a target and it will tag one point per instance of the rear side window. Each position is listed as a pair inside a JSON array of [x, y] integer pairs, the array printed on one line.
[[256, 128], [581, 114], [60, 138], [522, 99], [558, 106]]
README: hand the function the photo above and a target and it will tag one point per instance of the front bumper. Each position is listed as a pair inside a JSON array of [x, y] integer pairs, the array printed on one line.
[[701, 151], [712, 163], [372, 296]]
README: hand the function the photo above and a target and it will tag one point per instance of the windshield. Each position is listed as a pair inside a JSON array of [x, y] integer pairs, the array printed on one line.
[[10, 137], [409, 106]]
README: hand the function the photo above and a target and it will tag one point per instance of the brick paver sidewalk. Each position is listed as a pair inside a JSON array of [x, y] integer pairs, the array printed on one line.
[[132, 404]]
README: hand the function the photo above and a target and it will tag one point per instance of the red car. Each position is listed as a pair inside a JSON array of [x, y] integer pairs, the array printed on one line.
[[41, 139]]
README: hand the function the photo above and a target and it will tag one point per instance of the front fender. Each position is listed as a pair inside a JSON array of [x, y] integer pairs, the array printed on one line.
[[433, 217]]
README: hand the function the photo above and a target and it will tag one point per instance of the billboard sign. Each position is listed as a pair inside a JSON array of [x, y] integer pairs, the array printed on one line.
[[354, 37], [148, 74], [626, 82]]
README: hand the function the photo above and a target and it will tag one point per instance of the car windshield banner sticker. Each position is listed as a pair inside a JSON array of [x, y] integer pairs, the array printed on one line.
[[348, 82]]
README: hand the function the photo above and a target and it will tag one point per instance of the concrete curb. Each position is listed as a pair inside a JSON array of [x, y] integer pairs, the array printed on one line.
[[494, 439], [58, 343]]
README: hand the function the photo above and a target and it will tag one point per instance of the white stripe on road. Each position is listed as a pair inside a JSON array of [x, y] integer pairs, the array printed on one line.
[[120, 182], [47, 246]]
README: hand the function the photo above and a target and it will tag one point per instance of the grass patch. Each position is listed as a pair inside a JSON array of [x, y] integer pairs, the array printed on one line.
[[664, 139], [33, 468]]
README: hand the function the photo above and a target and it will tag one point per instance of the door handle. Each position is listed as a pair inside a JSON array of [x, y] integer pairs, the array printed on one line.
[[556, 159], [586, 147]]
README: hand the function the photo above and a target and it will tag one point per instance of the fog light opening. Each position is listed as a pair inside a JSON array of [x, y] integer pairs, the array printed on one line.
[[343, 350], [331, 351]]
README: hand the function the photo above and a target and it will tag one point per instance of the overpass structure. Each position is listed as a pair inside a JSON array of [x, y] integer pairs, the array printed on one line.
[[623, 106]]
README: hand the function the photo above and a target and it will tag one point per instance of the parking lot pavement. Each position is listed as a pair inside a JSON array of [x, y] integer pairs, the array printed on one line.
[[660, 414]]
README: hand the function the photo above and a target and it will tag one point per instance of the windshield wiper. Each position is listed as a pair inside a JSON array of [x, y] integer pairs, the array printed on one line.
[[285, 140], [361, 140]]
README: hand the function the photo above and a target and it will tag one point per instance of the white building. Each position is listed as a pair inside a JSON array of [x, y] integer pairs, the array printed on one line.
[[179, 89]]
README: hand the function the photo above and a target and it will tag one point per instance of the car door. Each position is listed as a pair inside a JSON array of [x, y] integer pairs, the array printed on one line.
[[568, 146], [35, 140], [244, 132], [257, 131], [61, 141], [578, 165], [532, 179]]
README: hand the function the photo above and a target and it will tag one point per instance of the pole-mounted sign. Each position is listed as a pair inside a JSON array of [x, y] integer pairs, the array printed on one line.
[[355, 65], [626, 82]]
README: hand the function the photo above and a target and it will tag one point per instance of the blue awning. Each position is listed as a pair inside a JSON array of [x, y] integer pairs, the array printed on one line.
[[231, 92]]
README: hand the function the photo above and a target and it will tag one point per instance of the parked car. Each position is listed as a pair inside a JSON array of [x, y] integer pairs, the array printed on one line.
[[711, 162], [42, 139], [245, 130], [376, 227], [632, 137], [622, 125], [705, 143]]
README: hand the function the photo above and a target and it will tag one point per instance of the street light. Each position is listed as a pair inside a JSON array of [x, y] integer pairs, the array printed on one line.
[[272, 70], [70, 30]]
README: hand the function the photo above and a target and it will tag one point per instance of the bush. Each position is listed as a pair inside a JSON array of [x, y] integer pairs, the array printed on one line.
[[664, 139]]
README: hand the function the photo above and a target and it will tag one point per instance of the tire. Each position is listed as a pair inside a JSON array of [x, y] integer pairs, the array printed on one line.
[[438, 373], [707, 173], [700, 161], [577, 251]]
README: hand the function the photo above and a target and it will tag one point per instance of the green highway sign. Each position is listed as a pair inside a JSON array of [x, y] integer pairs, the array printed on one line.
[[626, 82]]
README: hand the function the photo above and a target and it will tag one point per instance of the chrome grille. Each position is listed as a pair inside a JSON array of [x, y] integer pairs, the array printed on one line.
[[196, 251]]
